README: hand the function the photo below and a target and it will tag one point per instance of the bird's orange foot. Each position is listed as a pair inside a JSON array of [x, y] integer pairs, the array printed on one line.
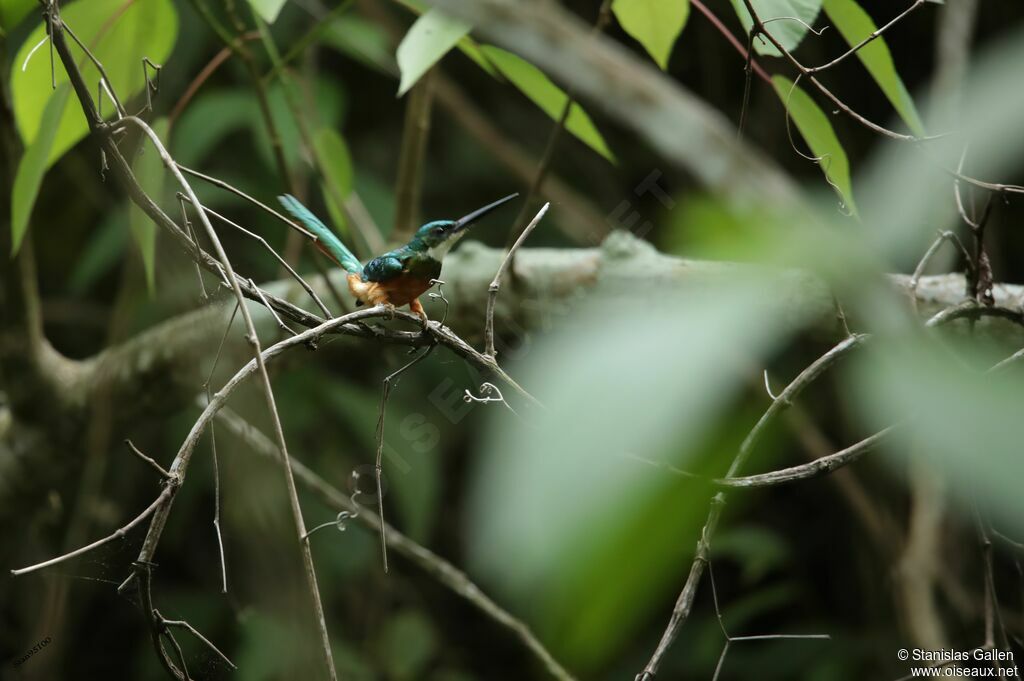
[[417, 307]]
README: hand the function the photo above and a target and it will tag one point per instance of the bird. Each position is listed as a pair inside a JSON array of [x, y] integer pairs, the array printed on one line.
[[400, 276]]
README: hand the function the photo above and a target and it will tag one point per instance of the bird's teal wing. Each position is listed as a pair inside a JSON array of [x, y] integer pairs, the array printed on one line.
[[344, 256], [384, 267]]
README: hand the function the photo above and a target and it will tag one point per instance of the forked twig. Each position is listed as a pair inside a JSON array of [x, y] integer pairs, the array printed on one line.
[[729, 640], [192, 630], [684, 603]]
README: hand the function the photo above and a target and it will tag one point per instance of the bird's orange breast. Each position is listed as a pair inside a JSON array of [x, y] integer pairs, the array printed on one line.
[[401, 290]]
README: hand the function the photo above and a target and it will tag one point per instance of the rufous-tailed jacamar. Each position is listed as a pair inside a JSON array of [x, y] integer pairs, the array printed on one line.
[[400, 276]]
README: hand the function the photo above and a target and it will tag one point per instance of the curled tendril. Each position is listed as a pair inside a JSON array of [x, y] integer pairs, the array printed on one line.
[[488, 393], [439, 295], [824, 162], [339, 520]]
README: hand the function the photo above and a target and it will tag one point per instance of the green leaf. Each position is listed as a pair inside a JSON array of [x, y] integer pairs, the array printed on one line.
[[267, 9], [430, 38], [466, 44], [655, 24], [119, 34], [335, 163], [12, 12], [787, 31], [855, 25], [532, 82], [32, 167], [566, 495], [149, 171], [817, 131]]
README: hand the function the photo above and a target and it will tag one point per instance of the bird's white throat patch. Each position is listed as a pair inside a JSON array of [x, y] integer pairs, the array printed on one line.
[[440, 250]]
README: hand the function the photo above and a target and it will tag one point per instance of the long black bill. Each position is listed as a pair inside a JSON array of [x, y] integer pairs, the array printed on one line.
[[467, 220]]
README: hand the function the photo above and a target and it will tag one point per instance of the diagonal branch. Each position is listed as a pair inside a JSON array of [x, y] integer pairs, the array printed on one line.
[[434, 565], [119, 533], [163, 508]]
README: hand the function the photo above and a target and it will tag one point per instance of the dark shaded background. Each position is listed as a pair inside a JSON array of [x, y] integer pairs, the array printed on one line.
[[829, 576]]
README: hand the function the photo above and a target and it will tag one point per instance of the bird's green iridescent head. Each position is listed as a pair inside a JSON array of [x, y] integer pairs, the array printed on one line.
[[438, 236], [437, 232]]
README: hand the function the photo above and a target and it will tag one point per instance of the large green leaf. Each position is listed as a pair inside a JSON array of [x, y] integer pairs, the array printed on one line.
[[32, 167], [855, 25], [149, 171], [119, 33], [784, 19], [268, 9], [565, 495], [654, 23], [430, 38], [817, 131], [532, 82]]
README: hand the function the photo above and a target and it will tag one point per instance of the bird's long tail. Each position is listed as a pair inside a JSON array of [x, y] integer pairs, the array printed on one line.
[[325, 236]]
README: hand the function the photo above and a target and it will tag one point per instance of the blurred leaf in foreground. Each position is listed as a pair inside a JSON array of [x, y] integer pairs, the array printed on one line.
[[565, 496], [963, 420]]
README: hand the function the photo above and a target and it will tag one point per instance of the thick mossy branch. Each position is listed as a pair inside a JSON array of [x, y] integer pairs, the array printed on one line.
[[543, 285]]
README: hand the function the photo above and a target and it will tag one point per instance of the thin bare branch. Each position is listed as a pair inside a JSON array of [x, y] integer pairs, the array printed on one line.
[[390, 382], [192, 630], [165, 495], [268, 392], [871, 36], [492, 295], [807, 471], [157, 467]]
